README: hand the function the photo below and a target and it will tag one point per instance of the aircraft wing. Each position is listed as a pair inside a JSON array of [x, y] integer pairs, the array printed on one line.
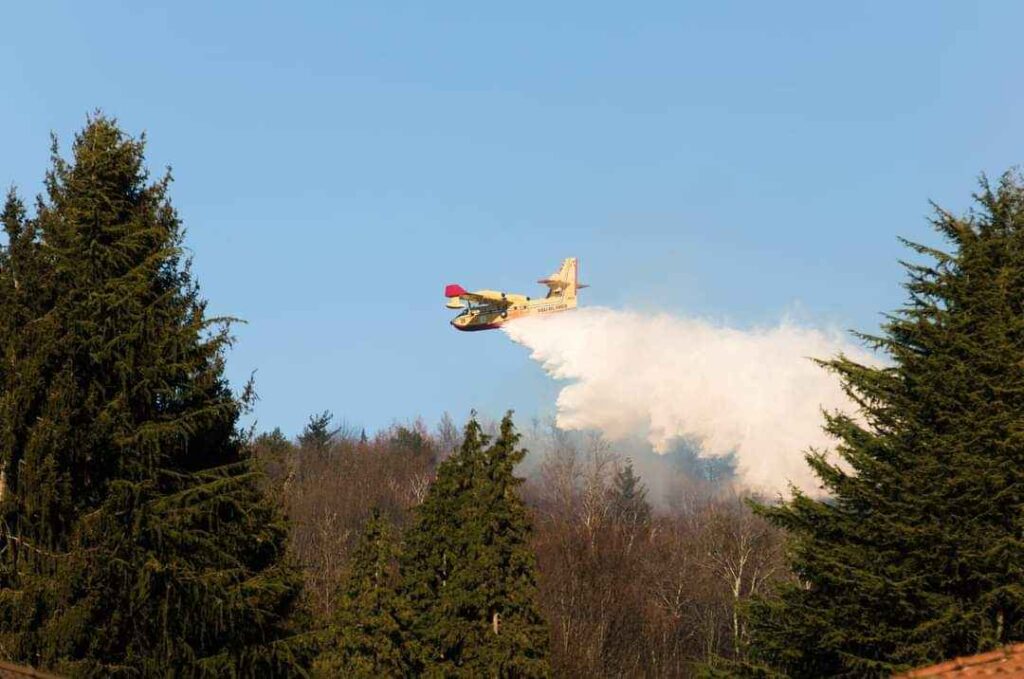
[[488, 296]]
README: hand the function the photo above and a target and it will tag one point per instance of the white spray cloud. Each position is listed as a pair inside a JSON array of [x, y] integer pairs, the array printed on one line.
[[756, 392]]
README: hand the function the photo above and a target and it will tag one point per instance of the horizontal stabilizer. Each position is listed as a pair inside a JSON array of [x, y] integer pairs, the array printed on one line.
[[558, 283]]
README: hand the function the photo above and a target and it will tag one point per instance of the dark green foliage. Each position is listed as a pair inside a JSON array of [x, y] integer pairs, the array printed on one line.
[[136, 539], [918, 555], [366, 635], [410, 441], [275, 444], [629, 498], [318, 434], [468, 570], [275, 455]]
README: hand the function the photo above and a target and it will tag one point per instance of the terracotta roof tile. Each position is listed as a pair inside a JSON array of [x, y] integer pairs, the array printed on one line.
[[12, 671], [1005, 662]]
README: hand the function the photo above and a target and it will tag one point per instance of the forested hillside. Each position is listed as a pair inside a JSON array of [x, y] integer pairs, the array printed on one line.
[[628, 585]]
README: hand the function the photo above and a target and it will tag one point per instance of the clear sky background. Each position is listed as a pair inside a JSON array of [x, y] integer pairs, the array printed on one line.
[[337, 163]]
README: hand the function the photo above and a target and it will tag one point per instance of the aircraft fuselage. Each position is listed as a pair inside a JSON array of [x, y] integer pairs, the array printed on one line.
[[486, 317]]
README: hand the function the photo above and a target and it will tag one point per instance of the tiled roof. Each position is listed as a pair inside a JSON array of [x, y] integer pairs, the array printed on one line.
[[12, 671], [1005, 662], [9, 671]]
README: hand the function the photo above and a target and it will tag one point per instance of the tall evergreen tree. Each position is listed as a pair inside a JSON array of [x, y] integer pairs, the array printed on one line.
[[629, 497], [135, 538], [918, 554], [365, 639], [468, 570], [318, 434]]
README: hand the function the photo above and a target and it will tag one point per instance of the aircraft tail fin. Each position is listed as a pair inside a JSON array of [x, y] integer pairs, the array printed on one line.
[[565, 281]]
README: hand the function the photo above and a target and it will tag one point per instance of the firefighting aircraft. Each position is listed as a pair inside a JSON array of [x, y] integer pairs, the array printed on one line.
[[489, 309]]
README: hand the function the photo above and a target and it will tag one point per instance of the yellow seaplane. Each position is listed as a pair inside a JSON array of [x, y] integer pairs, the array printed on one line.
[[489, 309]]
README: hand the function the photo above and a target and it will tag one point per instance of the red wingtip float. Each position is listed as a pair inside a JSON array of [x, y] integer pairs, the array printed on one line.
[[489, 309]]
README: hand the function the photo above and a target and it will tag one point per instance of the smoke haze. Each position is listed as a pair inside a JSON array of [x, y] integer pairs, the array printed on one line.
[[754, 393]]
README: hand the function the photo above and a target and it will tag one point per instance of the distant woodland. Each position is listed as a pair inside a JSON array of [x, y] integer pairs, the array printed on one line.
[[145, 532]]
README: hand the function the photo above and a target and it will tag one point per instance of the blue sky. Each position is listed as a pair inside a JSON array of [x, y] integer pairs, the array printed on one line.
[[337, 163]]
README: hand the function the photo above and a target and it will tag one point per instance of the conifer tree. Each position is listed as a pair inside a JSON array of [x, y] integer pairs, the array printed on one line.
[[917, 554], [318, 434], [135, 537], [365, 639], [11, 313], [468, 571], [629, 497]]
